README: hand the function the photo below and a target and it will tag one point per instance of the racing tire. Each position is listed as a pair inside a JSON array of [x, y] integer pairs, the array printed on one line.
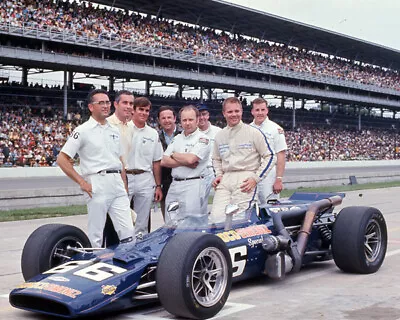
[[359, 240], [194, 275], [46, 248]]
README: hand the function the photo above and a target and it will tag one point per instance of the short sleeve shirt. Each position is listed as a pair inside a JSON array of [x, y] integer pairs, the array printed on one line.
[[98, 147], [146, 149], [196, 143]]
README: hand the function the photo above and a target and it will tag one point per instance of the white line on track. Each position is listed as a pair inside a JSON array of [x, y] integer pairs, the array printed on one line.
[[160, 314]]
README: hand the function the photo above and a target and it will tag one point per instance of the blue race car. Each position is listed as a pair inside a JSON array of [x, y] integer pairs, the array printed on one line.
[[189, 267]]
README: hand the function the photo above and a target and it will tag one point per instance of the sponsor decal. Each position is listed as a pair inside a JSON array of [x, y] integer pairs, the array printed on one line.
[[241, 233], [253, 231], [254, 242], [58, 278], [52, 287], [108, 290], [229, 236], [107, 255], [280, 131]]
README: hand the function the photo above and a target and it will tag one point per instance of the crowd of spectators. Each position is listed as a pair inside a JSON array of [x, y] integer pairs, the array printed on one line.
[[30, 137], [85, 19]]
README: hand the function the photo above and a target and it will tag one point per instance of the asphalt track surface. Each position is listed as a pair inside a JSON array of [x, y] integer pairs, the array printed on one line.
[[320, 291], [53, 182]]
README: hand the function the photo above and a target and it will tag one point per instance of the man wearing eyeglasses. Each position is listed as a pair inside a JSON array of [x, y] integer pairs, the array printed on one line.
[[102, 177]]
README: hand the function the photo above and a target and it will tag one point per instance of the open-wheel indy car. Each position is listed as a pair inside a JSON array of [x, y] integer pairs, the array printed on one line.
[[188, 265]]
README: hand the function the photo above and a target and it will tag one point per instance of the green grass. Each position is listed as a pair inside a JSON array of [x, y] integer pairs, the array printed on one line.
[[39, 213]]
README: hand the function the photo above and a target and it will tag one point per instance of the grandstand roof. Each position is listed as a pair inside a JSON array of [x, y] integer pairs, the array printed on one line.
[[222, 15]]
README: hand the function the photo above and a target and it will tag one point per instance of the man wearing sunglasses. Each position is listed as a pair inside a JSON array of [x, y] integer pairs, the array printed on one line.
[[102, 177]]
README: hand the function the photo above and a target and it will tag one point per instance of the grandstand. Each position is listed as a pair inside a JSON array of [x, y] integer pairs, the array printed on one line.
[[209, 47]]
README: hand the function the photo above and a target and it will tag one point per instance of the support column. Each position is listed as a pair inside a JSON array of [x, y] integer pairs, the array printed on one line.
[[303, 103], [147, 86], [209, 93], [65, 87], [201, 94], [283, 102], [294, 114], [111, 81], [70, 80], [180, 90], [24, 79], [359, 118]]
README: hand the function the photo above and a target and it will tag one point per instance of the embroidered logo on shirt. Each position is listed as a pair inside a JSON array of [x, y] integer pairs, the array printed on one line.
[[280, 131], [204, 141]]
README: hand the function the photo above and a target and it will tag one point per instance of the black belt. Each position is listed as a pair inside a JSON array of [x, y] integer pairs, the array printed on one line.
[[134, 171], [184, 179], [108, 171]]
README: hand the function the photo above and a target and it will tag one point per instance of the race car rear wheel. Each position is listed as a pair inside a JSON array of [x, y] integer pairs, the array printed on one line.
[[47, 247], [194, 275], [359, 240]]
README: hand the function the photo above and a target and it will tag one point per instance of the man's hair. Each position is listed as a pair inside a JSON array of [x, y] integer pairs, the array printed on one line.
[[231, 100], [94, 92], [120, 93], [259, 101], [164, 108], [141, 102], [189, 107]]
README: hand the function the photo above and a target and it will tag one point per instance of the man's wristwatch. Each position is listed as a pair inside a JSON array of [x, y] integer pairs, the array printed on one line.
[[172, 155], [158, 186], [279, 178]]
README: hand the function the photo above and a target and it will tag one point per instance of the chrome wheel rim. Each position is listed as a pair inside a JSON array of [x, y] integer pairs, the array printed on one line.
[[372, 240], [61, 253], [209, 277]]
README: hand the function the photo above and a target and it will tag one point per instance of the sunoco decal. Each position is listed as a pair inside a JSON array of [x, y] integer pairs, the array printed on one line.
[[108, 290], [52, 287]]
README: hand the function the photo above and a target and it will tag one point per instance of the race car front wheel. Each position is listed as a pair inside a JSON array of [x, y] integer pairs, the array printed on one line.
[[47, 247], [359, 240], [194, 275]]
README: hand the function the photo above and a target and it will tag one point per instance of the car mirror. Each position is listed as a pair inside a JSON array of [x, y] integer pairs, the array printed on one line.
[[231, 209], [173, 206]]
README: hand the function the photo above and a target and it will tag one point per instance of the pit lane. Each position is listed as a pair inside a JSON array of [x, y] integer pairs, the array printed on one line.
[[320, 291]]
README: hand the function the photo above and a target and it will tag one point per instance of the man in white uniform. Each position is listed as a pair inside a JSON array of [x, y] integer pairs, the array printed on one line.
[[103, 176], [188, 155], [210, 130], [271, 185], [123, 105], [144, 170], [241, 158]]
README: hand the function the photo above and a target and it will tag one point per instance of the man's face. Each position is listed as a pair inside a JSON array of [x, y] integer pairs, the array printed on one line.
[[204, 116], [140, 115], [100, 106], [124, 107], [232, 113], [189, 121], [259, 112], [167, 120]]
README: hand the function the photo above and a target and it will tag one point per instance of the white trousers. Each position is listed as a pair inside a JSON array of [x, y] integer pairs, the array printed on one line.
[[108, 196], [265, 188], [192, 200], [228, 191], [141, 189]]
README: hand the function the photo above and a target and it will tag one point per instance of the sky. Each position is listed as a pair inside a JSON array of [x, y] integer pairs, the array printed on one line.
[[376, 21]]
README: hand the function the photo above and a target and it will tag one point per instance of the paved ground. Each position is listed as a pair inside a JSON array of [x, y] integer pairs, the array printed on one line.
[[320, 291]]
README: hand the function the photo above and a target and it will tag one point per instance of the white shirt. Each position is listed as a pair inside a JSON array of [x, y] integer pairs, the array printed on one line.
[[274, 134], [98, 147], [211, 132], [196, 143], [126, 133], [146, 148]]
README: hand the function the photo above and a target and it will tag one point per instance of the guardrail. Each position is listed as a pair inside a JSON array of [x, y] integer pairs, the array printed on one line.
[[65, 196]]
